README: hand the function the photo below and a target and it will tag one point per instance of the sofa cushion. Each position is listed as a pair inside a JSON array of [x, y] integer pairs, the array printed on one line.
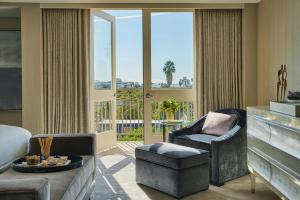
[[13, 144], [64, 185], [198, 141], [218, 123], [172, 155], [66, 144]]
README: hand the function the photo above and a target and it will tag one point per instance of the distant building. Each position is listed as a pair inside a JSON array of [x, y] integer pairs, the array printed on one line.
[[102, 84], [127, 84], [184, 82]]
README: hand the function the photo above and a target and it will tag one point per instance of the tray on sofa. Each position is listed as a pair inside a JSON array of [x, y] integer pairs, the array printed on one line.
[[75, 162]]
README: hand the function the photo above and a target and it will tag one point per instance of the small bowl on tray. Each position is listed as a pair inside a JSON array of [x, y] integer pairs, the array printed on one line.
[[33, 160]]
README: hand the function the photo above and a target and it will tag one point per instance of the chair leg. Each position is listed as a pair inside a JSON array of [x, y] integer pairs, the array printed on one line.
[[216, 184], [252, 179]]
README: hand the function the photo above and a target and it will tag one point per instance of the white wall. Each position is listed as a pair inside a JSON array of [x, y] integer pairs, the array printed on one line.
[[250, 55], [32, 79], [278, 43]]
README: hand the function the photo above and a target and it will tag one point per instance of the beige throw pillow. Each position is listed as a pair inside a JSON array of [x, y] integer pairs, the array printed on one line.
[[217, 123]]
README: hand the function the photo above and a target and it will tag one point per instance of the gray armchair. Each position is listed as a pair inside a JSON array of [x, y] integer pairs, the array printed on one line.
[[228, 153]]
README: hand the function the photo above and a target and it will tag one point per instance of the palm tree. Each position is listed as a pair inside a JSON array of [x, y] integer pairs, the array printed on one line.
[[169, 69]]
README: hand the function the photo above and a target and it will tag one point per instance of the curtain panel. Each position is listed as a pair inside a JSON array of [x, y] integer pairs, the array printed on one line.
[[66, 34], [219, 59]]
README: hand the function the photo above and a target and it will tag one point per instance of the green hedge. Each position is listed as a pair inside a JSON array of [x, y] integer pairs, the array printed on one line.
[[136, 134]]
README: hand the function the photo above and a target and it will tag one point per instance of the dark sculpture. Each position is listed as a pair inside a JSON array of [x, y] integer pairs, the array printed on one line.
[[281, 83]]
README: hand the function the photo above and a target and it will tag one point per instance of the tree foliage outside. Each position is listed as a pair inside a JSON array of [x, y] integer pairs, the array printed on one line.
[[130, 107], [130, 104], [185, 82]]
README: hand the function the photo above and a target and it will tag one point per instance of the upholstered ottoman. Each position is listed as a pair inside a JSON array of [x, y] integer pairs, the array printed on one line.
[[173, 169]]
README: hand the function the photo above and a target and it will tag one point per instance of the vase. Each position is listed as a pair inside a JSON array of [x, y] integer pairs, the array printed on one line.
[[45, 153], [45, 144], [170, 116]]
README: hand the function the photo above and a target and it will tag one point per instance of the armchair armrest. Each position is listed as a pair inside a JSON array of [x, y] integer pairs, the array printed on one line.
[[29, 189], [227, 136], [67, 144], [176, 133], [195, 128], [229, 155]]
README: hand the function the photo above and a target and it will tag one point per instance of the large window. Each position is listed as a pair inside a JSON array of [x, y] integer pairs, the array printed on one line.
[[103, 54], [172, 49], [151, 56]]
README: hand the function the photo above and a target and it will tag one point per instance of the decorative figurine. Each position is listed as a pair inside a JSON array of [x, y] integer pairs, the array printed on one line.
[[279, 82], [284, 82]]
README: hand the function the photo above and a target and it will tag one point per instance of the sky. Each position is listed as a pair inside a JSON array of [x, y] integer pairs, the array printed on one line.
[[171, 39]]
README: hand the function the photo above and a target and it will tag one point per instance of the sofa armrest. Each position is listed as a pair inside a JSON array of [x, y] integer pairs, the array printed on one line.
[[229, 155], [195, 128], [29, 189], [67, 144], [14, 144]]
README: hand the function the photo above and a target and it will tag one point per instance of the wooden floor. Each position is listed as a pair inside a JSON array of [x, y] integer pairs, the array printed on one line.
[[116, 180], [128, 147], [124, 147]]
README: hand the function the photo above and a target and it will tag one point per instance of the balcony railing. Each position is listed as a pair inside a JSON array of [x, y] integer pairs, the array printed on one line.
[[130, 117]]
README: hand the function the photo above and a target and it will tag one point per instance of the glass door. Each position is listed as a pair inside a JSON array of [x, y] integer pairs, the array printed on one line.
[[168, 68], [103, 81]]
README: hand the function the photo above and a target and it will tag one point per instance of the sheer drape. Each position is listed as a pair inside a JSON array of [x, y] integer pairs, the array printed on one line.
[[219, 59], [66, 34]]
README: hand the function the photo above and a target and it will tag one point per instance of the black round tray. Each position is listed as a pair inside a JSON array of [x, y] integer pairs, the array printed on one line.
[[76, 161]]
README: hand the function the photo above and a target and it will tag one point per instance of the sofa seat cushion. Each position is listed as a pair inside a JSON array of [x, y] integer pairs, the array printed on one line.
[[13, 144], [172, 155], [65, 185], [198, 141]]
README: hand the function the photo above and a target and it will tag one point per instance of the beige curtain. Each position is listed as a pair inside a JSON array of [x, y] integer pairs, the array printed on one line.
[[66, 70], [219, 59]]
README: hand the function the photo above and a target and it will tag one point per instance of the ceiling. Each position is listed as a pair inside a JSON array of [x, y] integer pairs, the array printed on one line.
[[132, 1], [10, 12]]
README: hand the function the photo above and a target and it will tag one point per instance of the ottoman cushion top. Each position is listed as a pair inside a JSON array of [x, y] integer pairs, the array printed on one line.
[[172, 155]]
